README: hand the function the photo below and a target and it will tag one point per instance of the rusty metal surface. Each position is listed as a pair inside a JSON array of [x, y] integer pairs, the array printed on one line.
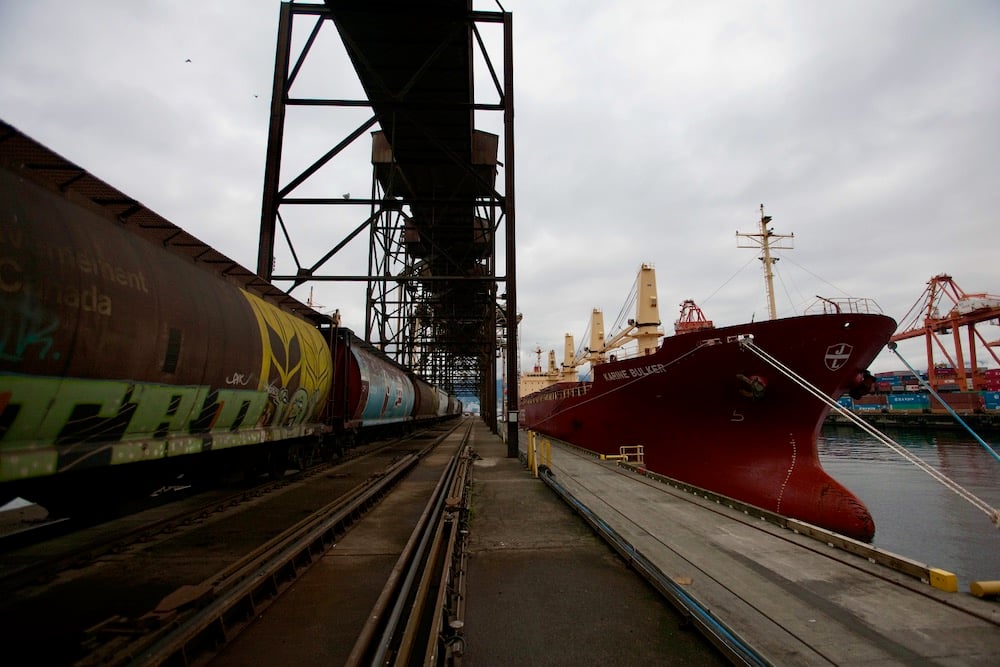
[[420, 53], [96, 301], [427, 400], [123, 339], [27, 158], [414, 62]]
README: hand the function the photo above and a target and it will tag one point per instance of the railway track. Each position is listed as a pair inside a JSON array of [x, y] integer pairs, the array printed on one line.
[[41, 549], [179, 591]]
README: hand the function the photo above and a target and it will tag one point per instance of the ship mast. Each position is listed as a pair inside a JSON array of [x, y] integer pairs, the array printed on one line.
[[767, 240], [538, 359]]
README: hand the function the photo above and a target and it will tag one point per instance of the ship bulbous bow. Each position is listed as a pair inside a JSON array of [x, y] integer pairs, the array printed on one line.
[[812, 496]]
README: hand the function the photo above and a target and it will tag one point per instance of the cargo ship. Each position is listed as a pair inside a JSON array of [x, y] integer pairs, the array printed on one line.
[[702, 407]]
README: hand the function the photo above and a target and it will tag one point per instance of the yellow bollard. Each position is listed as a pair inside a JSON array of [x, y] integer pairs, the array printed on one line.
[[982, 589], [547, 452], [532, 437]]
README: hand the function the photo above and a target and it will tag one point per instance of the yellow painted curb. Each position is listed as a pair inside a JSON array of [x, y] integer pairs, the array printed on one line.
[[944, 580]]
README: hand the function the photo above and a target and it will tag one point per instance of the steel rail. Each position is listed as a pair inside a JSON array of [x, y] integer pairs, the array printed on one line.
[[450, 621], [402, 622], [33, 533], [200, 619], [443, 574], [196, 621], [46, 567]]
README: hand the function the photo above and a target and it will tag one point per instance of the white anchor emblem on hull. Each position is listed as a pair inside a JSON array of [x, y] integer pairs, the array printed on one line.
[[837, 355]]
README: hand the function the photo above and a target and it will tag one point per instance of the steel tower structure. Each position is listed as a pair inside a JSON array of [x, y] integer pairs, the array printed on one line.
[[441, 191]]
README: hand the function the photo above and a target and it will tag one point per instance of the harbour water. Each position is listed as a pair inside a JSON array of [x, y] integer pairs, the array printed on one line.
[[915, 516]]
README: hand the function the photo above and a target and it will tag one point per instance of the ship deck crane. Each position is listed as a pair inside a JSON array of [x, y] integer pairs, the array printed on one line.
[[961, 309], [645, 328]]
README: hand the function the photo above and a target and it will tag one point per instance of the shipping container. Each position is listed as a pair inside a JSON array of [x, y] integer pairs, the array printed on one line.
[[959, 401], [872, 399], [912, 402], [991, 399]]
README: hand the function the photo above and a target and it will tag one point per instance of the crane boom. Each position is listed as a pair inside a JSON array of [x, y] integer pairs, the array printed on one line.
[[924, 319]]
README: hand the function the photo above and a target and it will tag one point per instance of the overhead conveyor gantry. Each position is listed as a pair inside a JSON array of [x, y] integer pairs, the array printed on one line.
[[441, 189]]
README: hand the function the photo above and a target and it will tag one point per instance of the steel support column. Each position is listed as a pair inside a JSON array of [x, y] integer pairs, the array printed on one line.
[[511, 251], [272, 163]]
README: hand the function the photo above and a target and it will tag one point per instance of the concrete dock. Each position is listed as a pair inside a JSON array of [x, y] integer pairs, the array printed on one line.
[[543, 589]]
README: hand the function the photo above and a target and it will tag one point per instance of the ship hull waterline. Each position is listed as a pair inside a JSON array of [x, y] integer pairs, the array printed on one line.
[[711, 413]]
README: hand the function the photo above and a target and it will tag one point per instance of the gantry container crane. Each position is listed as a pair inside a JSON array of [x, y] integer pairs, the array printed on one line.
[[961, 309]]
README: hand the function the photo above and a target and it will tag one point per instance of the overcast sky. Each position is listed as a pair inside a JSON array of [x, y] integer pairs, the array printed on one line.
[[645, 132]]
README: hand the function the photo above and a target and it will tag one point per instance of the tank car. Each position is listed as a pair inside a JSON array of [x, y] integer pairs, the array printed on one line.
[[373, 395], [369, 389], [428, 401], [124, 340], [115, 351]]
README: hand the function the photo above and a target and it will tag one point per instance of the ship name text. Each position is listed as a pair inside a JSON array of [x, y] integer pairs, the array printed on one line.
[[634, 373]]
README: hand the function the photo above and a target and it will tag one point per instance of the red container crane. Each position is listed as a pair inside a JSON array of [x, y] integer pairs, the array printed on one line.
[[960, 309]]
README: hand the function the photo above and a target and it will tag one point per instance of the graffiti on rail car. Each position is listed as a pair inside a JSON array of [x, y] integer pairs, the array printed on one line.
[[49, 424], [296, 369]]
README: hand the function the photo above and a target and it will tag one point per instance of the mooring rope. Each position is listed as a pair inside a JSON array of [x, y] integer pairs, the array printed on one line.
[[928, 387], [944, 480]]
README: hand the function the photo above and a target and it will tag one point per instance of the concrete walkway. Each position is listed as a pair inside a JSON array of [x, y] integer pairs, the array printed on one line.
[[543, 589]]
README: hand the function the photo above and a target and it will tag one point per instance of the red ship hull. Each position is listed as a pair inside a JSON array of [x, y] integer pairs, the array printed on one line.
[[711, 413]]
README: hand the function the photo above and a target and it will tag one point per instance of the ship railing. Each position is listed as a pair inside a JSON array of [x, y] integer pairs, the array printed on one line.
[[580, 390], [834, 305], [623, 353], [627, 453]]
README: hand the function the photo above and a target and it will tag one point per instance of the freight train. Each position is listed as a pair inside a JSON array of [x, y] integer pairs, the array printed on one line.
[[131, 352]]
